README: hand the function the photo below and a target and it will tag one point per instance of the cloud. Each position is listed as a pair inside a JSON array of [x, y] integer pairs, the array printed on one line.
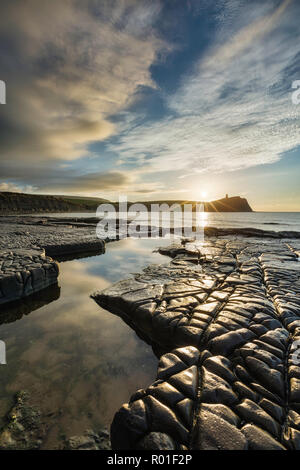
[[234, 111], [246, 36], [97, 183], [71, 67], [92, 182], [68, 67], [66, 180], [9, 187]]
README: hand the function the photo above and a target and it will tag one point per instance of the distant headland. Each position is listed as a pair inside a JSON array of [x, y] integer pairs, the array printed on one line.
[[23, 203], [228, 204]]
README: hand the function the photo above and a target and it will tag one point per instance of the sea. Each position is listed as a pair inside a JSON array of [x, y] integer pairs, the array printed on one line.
[[275, 221]]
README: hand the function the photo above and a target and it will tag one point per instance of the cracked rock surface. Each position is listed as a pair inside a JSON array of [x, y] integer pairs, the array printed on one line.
[[24, 272], [26, 244], [226, 315], [54, 235]]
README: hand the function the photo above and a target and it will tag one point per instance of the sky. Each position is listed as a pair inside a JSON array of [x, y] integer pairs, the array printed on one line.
[[160, 99]]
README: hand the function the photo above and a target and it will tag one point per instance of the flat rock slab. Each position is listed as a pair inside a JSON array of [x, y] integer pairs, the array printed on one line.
[[26, 244], [57, 237], [24, 272], [227, 314]]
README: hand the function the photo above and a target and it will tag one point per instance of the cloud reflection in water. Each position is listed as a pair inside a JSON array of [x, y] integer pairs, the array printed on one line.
[[79, 362]]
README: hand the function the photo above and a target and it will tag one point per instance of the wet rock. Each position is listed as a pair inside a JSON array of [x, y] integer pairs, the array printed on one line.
[[295, 390], [268, 377], [24, 429], [90, 440], [216, 433], [24, 279], [277, 412], [162, 418], [228, 342], [165, 392], [221, 366], [216, 390], [170, 364], [156, 441], [244, 391], [253, 413], [234, 383], [259, 439], [186, 381], [129, 425], [25, 263], [222, 411]]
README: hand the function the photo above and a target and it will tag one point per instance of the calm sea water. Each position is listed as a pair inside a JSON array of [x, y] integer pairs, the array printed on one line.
[[277, 221], [79, 362]]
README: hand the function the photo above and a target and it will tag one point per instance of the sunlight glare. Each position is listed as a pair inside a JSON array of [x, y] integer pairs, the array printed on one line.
[[202, 217]]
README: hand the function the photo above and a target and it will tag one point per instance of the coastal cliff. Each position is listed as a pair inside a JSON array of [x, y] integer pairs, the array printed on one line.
[[228, 204], [21, 203]]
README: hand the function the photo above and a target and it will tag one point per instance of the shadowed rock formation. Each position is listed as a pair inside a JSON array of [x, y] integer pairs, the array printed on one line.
[[228, 312], [26, 244], [228, 204], [23, 272], [14, 311], [22, 203]]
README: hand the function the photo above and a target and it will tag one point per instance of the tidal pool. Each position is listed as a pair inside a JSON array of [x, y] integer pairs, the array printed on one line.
[[79, 362]]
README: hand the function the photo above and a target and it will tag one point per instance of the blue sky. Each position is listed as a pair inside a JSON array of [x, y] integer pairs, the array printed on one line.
[[154, 99]]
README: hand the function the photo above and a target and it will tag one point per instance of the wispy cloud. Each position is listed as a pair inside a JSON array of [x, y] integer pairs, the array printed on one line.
[[235, 110], [71, 67]]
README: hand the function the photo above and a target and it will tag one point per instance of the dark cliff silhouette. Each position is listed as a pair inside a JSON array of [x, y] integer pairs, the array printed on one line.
[[228, 204], [20, 203]]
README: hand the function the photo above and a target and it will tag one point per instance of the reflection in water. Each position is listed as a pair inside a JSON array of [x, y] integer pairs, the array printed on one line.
[[201, 219], [15, 310], [79, 362]]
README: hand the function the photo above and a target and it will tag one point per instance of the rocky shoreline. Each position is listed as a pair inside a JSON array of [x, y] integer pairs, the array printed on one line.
[[24, 272], [27, 245], [223, 316], [228, 314]]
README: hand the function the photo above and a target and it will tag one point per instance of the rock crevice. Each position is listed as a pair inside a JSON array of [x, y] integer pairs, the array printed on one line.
[[227, 312]]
